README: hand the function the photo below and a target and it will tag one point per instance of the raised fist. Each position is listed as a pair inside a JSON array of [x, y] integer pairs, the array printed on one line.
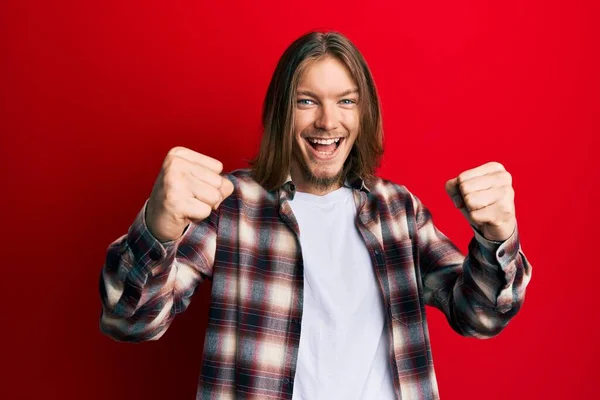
[[189, 186]]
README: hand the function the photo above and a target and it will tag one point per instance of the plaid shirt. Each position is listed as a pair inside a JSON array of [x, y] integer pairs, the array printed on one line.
[[250, 249]]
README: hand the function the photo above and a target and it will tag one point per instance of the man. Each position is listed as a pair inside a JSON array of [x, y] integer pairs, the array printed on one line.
[[321, 271]]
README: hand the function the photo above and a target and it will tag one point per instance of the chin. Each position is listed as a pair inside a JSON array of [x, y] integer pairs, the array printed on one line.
[[326, 173], [323, 178], [319, 173]]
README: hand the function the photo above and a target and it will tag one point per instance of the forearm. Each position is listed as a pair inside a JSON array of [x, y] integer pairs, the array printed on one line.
[[488, 289], [135, 314], [143, 285]]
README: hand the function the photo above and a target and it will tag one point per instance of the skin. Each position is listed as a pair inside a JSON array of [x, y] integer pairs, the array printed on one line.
[[486, 198], [326, 107]]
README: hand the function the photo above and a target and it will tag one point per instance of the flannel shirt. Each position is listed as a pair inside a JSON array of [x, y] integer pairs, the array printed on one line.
[[250, 249]]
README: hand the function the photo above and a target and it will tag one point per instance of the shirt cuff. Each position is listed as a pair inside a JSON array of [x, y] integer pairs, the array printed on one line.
[[499, 252]]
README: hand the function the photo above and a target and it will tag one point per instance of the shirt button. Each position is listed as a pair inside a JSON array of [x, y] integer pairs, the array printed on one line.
[[501, 253], [377, 252]]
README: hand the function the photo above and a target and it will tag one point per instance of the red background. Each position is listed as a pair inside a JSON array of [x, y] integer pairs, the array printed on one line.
[[93, 94]]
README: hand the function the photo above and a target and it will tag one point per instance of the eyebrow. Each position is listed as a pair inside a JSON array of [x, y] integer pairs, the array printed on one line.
[[311, 94]]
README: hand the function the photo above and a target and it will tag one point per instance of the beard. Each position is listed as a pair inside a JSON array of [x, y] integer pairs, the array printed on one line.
[[321, 183]]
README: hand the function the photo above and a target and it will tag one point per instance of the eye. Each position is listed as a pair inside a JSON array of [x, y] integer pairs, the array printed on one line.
[[348, 101], [305, 102]]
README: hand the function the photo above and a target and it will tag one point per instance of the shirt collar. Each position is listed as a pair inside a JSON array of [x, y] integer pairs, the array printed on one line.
[[354, 182]]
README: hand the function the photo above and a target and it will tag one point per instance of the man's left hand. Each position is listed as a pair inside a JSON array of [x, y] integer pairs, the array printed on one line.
[[486, 198]]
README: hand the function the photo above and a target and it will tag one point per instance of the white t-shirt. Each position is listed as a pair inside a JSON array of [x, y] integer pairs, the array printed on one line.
[[344, 345]]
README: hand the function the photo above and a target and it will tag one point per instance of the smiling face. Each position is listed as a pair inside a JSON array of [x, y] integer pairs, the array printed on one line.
[[326, 125]]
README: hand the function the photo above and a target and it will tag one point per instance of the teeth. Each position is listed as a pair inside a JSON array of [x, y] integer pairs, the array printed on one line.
[[324, 141]]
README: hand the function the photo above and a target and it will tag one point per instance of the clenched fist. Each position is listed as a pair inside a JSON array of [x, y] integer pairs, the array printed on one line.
[[486, 198], [189, 186]]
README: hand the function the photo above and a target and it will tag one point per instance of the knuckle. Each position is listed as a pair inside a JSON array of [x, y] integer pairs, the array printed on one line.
[[175, 151], [507, 192], [218, 183], [167, 162], [215, 196], [218, 165], [502, 211], [172, 165], [205, 209], [463, 187], [469, 200], [170, 179], [168, 183]]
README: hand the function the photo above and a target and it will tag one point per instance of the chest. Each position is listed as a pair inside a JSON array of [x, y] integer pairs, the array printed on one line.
[[264, 254]]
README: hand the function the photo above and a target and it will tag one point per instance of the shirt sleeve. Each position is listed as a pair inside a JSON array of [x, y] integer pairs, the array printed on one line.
[[479, 293], [144, 283]]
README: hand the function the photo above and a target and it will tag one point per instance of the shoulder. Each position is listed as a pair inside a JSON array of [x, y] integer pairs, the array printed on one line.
[[245, 187], [393, 196], [241, 176], [387, 189]]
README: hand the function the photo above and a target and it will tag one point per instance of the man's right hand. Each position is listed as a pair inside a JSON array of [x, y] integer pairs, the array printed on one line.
[[189, 186]]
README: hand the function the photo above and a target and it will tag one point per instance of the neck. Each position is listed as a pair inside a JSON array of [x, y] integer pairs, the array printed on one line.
[[319, 191]]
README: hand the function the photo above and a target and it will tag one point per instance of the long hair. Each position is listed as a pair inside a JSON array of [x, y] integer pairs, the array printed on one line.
[[272, 164]]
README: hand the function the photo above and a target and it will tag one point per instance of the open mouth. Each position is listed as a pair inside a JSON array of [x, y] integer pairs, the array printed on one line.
[[325, 147]]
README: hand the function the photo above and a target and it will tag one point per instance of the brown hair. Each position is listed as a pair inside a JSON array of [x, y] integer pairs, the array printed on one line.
[[272, 164]]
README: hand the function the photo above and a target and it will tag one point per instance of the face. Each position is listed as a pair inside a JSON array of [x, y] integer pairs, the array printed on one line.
[[325, 127]]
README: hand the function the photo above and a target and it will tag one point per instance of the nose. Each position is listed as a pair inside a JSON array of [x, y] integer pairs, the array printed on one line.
[[327, 118]]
